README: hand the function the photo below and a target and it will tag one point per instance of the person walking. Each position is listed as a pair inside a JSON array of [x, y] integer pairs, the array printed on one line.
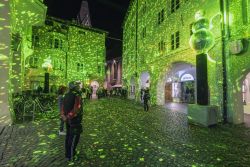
[[72, 112], [146, 98], [61, 91]]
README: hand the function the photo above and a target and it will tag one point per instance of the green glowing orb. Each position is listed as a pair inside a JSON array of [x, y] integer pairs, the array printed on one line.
[[202, 41]]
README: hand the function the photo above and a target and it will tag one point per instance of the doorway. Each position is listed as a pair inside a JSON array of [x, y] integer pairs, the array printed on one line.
[[246, 98], [168, 93]]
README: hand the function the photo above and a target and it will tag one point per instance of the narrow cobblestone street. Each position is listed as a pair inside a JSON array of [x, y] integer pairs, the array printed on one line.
[[119, 133]]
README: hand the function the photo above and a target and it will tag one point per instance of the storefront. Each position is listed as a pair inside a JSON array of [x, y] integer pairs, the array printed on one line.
[[180, 84]]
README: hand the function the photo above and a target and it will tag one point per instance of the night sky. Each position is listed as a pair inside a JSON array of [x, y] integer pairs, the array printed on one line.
[[107, 15]]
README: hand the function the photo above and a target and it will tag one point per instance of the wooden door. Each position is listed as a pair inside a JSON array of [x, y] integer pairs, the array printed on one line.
[[168, 92]]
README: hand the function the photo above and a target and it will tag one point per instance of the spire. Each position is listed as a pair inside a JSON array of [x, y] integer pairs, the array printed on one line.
[[83, 16]]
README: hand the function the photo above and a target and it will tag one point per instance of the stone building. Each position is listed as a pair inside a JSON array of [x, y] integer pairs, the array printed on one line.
[[156, 51], [32, 45], [76, 53], [16, 21]]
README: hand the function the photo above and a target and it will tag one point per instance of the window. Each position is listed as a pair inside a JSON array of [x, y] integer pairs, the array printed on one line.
[[55, 64], [61, 44], [61, 67], [33, 62], [175, 40], [35, 42], [160, 16], [79, 67], [144, 32], [245, 7], [56, 43], [161, 46], [144, 9], [51, 43], [175, 4], [172, 42], [190, 27], [99, 69]]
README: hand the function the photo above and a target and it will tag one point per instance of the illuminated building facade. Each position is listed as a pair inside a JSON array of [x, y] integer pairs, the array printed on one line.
[[16, 20], [76, 53], [157, 52], [29, 41]]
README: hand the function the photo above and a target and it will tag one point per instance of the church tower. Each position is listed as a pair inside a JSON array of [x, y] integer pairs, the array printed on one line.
[[83, 16]]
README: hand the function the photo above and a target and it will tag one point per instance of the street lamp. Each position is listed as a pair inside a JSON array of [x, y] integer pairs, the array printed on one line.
[[47, 66]]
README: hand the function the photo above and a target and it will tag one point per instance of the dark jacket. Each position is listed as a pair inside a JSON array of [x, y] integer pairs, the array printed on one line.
[[146, 96], [72, 108]]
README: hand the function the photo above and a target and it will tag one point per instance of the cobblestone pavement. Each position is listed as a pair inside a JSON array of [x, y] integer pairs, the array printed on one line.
[[119, 133]]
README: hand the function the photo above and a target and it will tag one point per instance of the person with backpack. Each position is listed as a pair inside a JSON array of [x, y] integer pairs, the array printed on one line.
[[146, 98], [72, 113]]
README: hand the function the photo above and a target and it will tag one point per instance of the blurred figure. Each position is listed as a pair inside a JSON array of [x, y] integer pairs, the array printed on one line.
[[39, 90], [146, 98], [61, 91]]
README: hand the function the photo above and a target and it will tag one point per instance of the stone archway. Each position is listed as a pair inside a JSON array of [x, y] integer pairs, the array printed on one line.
[[178, 81], [144, 80]]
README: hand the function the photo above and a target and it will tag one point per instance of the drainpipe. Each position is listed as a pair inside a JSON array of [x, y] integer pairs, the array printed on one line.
[[224, 7], [136, 39], [66, 54]]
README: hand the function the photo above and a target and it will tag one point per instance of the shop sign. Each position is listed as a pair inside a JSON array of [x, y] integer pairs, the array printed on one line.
[[187, 77]]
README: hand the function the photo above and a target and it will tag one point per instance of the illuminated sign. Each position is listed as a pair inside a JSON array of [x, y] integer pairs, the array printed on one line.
[[187, 77]]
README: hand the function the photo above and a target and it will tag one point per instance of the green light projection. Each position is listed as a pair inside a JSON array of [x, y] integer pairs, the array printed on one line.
[[143, 55], [158, 63], [77, 53], [32, 41]]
